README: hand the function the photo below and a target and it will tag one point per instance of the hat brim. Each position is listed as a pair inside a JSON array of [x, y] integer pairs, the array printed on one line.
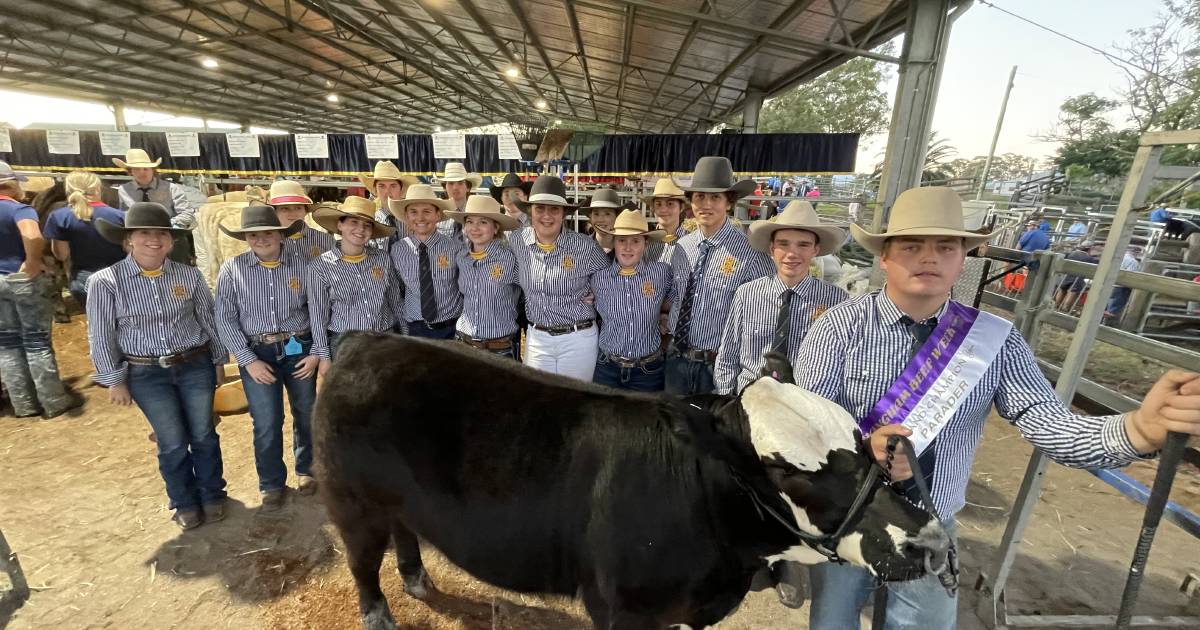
[[230, 399], [328, 216], [830, 238], [506, 222], [649, 199], [739, 189], [290, 200], [240, 235], [497, 192], [115, 233], [369, 181], [874, 242], [397, 206], [652, 235], [475, 179], [123, 164]]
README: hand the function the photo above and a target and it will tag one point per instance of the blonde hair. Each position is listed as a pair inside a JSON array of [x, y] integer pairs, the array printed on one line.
[[80, 186]]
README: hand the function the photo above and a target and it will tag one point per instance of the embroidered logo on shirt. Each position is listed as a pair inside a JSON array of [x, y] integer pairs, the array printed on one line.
[[314, 252], [497, 271], [377, 272], [648, 289], [294, 284], [818, 311], [568, 262], [179, 291], [443, 261], [729, 266]]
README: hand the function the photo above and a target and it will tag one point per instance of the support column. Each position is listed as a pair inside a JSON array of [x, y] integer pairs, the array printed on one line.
[[754, 101], [118, 110]]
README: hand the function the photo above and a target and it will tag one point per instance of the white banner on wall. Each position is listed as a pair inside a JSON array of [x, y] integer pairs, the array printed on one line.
[[450, 145], [62, 141], [114, 143], [5, 142], [242, 145], [183, 143], [312, 146], [382, 146], [506, 147]]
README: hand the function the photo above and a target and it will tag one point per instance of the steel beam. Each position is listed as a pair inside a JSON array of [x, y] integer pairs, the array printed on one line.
[[687, 43], [530, 32], [754, 101], [502, 49], [581, 54], [626, 45]]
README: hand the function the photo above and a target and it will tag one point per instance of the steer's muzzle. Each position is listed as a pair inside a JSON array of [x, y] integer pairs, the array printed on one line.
[[937, 549]]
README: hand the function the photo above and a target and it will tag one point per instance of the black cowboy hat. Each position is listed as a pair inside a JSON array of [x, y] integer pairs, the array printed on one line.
[[143, 215], [715, 174], [547, 190], [261, 219], [512, 180]]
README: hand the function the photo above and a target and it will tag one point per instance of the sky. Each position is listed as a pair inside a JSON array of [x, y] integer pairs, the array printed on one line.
[[984, 45]]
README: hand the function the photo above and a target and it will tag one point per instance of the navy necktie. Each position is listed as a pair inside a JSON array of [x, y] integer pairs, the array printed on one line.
[[145, 193], [684, 326], [428, 300], [783, 324]]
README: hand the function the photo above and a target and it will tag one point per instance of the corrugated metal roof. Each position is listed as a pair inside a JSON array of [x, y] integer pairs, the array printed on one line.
[[413, 65]]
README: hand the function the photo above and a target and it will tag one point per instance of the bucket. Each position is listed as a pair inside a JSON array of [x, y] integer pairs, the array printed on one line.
[[974, 213]]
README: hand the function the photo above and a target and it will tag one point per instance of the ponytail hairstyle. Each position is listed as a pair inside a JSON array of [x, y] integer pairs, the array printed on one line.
[[81, 187]]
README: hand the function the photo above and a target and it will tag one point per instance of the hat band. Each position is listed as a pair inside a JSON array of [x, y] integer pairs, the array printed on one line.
[[288, 199], [605, 204], [548, 198]]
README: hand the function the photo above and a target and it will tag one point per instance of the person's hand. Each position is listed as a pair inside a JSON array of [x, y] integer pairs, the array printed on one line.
[[119, 395], [307, 367], [877, 442], [663, 320], [260, 372], [32, 270], [1173, 404], [324, 368], [589, 299]]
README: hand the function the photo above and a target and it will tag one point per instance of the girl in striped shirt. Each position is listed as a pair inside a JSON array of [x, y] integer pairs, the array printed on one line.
[[487, 278]]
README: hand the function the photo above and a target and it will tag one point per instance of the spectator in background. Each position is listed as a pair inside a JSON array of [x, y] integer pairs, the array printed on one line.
[[386, 183], [508, 193], [73, 236], [148, 186], [1120, 294], [815, 192], [1071, 286], [1160, 215], [1044, 225], [1077, 230], [1033, 240]]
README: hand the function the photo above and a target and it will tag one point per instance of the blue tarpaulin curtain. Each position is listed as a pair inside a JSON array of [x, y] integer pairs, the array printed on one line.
[[640, 154]]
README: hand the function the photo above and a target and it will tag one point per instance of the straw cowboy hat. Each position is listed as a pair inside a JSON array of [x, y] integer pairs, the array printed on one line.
[[456, 172], [136, 158], [419, 193], [258, 218], [715, 174], [928, 211], [603, 198], [484, 206], [511, 180], [230, 399], [632, 223], [286, 192], [143, 215], [327, 216], [798, 215], [386, 170], [665, 188], [547, 190]]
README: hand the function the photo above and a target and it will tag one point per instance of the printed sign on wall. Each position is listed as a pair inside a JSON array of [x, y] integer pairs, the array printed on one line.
[[382, 146], [114, 142], [450, 145], [242, 145], [183, 143], [62, 141], [312, 146]]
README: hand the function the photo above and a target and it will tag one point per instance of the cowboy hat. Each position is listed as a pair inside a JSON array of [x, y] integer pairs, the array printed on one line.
[[136, 158], [230, 399], [605, 198], [456, 172], [798, 215], [547, 190], [715, 174], [419, 193], [632, 223], [143, 215], [327, 216], [928, 211], [286, 192], [386, 170], [484, 206], [512, 180], [665, 188], [257, 218]]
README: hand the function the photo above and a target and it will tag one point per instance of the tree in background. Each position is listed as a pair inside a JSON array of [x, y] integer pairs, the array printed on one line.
[[847, 99]]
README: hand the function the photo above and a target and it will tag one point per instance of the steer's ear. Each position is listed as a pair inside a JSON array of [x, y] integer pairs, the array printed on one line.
[[778, 368]]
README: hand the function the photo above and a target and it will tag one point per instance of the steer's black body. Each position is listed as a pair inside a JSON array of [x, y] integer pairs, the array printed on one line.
[[541, 484]]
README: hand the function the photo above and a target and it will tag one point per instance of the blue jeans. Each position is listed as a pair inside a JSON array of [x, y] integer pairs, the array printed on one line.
[[27, 364], [1116, 302], [78, 287], [445, 329], [840, 591], [644, 378], [178, 403], [684, 376], [266, 413]]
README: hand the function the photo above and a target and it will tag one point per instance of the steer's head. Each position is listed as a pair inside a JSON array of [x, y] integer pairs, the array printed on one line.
[[815, 457]]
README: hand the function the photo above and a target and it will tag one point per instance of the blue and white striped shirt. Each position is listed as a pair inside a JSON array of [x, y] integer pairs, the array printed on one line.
[[254, 300], [731, 263], [443, 251], [664, 250], [382, 215], [556, 282], [450, 228], [489, 292], [130, 314], [629, 307], [856, 351], [308, 243], [751, 326], [343, 296]]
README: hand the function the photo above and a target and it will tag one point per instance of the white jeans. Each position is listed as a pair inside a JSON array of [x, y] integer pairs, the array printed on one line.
[[572, 354]]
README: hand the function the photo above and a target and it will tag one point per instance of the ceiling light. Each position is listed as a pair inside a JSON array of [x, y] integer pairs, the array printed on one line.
[[209, 62], [558, 121], [332, 98], [437, 129], [540, 103], [513, 72]]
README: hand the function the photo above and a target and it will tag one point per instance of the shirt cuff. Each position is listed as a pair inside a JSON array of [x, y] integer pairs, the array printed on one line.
[[1116, 440], [322, 352], [245, 357], [115, 377]]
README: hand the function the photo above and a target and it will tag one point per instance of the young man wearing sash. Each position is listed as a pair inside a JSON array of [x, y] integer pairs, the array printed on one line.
[[908, 360]]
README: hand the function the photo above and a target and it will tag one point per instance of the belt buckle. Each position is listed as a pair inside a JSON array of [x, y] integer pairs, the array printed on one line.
[[164, 361]]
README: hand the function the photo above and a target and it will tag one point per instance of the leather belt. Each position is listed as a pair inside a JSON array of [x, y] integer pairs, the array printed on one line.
[[629, 362], [703, 356], [555, 331], [167, 360], [499, 343], [438, 326], [280, 337]]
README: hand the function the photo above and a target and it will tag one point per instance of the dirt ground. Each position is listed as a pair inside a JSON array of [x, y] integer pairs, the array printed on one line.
[[82, 505]]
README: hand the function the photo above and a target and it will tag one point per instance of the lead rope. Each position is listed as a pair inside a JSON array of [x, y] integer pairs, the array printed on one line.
[[948, 578]]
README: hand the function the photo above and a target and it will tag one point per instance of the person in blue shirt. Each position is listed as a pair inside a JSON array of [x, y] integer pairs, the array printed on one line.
[[73, 237], [1078, 230], [1160, 215], [28, 368], [1034, 239]]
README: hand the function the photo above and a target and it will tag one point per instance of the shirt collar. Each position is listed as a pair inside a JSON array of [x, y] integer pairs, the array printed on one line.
[[615, 267], [889, 313], [777, 285], [129, 268], [153, 184], [430, 242], [530, 238], [725, 231]]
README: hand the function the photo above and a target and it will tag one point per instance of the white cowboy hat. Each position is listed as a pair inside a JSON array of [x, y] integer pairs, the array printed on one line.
[[286, 192], [456, 172], [328, 216], [798, 215], [632, 223], [487, 207], [928, 211], [418, 193], [386, 170], [665, 188], [603, 199], [136, 158]]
